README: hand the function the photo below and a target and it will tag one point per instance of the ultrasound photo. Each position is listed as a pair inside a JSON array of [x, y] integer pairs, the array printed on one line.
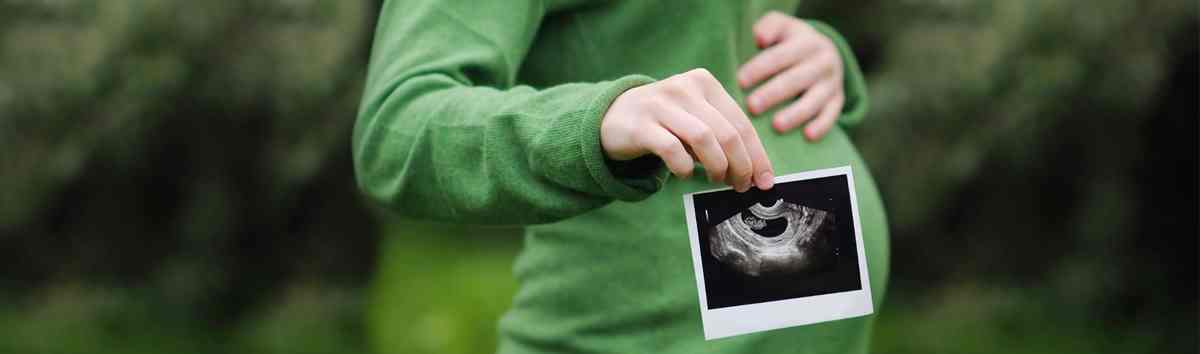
[[783, 238], [798, 240]]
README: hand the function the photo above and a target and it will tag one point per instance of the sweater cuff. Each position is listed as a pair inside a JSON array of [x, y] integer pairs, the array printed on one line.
[[628, 185], [857, 102]]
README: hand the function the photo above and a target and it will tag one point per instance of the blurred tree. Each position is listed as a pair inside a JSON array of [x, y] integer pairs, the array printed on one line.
[[1041, 155], [193, 155]]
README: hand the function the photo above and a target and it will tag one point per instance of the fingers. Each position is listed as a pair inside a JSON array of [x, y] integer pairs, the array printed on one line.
[[661, 142], [805, 108], [685, 119], [771, 61], [740, 169], [771, 28], [786, 85], [699, 136], [826, 120], [763, 172]]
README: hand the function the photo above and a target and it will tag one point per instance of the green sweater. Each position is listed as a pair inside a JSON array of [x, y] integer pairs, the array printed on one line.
[[488, 112]]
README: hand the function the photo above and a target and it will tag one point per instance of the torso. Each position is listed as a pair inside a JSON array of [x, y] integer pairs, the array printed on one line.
[[619, 278]]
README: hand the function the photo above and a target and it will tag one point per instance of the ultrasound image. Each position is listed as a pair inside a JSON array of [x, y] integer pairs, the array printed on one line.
[[773, 240], [794, 240]]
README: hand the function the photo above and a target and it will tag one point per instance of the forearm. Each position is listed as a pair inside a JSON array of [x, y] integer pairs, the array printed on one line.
[[433, 148]]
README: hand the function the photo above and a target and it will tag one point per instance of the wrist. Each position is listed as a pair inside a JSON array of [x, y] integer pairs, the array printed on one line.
[[627, 185]]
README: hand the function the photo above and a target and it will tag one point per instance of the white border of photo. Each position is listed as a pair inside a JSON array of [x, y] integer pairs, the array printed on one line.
[[750, 318]]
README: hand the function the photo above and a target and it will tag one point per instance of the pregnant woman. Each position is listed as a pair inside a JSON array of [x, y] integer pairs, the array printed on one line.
[[586, 121]]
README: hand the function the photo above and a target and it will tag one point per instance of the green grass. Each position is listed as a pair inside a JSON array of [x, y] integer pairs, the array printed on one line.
[[976, 319], [445, 293], [441, 291], [309, 319]]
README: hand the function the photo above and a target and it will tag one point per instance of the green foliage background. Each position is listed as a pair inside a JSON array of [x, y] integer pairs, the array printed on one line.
[[176, 178]]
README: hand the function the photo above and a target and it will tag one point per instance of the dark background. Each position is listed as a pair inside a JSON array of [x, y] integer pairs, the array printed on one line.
[[176, 178], [725, 286]]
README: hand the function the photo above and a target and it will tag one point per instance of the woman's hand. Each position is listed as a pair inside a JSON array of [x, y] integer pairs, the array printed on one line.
[[800, 62], [685, 118]]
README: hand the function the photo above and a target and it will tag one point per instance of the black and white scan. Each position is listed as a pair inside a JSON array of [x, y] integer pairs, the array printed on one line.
[[779, 239], [792, 241]]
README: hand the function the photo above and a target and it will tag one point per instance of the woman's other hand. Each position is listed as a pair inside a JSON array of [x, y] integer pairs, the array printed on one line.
[[799, 61]]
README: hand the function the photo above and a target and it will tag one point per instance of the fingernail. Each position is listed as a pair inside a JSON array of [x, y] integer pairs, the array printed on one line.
[[754, 102], [766, 180]]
